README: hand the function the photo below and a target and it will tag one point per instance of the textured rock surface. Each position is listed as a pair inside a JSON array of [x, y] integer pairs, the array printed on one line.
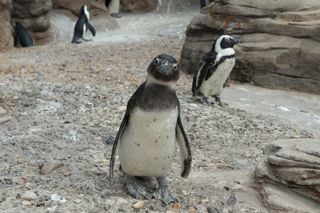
[[290, 175], [281, 41], [34, 15], [6, 39], [95, 7], [142, 5]]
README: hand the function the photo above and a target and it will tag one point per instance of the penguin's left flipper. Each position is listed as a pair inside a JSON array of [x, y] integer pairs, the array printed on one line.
[[115, 144], [91, 28], [185, 149]]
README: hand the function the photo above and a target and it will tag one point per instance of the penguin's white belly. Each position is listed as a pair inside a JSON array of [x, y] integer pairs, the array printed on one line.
[[147, 145], [214, 85]]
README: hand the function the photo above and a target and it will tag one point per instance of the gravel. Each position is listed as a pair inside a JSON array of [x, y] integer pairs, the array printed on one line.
[[66, 104]]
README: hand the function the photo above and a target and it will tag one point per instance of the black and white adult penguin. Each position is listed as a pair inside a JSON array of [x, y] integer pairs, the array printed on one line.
[[22, 37], [82, 25], [149, 131], [215, 67]]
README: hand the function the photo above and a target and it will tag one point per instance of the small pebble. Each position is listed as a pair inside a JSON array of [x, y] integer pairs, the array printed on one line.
[[77, 200], [26, 203], [138, 205], [176, 206], [94, 210], [29, 195], [121, 201], [49, 167], [192, 210]]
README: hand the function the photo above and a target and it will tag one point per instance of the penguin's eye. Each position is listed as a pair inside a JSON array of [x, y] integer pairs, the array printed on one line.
[[175, 67], [156, 61]]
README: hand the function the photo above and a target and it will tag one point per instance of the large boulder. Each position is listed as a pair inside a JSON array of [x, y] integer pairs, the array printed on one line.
[[95, 8], [142, 5], [289, 175], [35, 16], [281, 41], [6, 39]]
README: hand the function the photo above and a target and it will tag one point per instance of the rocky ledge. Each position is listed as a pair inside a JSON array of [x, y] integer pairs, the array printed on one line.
[[281, 41], [289, 175]]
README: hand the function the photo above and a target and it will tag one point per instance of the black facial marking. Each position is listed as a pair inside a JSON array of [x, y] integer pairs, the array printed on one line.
[[227, 43], [165, 68]]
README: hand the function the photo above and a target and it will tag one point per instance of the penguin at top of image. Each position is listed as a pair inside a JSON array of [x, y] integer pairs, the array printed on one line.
[[149, 132], [214, 69], [22, 37], [82, 25]]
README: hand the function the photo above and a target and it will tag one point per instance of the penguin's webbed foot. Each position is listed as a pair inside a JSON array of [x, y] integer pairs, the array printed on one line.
[[136, 189], [218, 100], [162, 192], [201, 99]]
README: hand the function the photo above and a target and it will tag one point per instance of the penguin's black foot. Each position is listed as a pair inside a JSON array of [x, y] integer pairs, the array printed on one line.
[[201, 99], [218, 101], [136, 189], [162, 192]]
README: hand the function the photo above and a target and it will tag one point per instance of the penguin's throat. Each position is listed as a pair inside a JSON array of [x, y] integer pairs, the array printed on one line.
[[152, 80]]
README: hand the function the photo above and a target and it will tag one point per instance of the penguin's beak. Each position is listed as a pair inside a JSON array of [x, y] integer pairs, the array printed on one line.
[[238, 39]]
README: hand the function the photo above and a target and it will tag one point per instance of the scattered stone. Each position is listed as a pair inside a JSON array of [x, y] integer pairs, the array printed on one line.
[[26, 203], [29, 195], [77, 200], [94, 210], [211, 210], [192, 210], [138, 205], [49, 167], [121, 201]]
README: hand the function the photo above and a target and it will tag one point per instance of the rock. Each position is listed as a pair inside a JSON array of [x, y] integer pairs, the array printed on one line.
[[26, 203], [95, 7], [4, 117], [34, 15], [211, 210], [6, 39], [142, 5], [289, 174], [77, 200], [138, 205], [94, 210], [49, 167], [280, 41], [122, 202], [29, 195]]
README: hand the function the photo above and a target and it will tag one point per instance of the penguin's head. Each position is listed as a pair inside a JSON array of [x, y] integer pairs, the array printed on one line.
[[164, 68], [224, 42], [84, 11]]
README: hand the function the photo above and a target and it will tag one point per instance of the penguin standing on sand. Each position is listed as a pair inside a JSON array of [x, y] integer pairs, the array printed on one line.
[[22, 37], [82, 25], [215, 67], [149, 131]]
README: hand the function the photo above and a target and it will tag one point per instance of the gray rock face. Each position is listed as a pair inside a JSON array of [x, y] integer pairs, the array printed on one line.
[[281, 41], [142, 5], [6, 39], [34, 15], [290, 175]]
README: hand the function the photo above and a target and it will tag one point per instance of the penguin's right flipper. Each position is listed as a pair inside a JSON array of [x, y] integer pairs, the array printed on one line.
[[185, 149], [91, 28], [115, 144], [195, 82]]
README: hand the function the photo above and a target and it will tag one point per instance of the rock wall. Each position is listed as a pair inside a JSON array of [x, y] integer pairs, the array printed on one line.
[[289, 175], [142, 5], [96, 7], [282, 42], [6, 39], [34, 15]]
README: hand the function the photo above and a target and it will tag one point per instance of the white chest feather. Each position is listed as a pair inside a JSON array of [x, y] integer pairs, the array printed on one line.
[[147, 145], [214, 84]]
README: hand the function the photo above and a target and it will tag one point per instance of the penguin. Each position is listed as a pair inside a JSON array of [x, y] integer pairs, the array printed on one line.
[[22, 37], [82, 25], [149, 131], [214, 68]]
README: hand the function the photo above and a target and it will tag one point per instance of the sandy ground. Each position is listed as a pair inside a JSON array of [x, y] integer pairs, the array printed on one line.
[[66, 103]]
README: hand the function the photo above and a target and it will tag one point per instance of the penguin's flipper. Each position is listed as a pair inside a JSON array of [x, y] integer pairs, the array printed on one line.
[[91, 28], [115, 144], [185, 150], [195, 82]]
